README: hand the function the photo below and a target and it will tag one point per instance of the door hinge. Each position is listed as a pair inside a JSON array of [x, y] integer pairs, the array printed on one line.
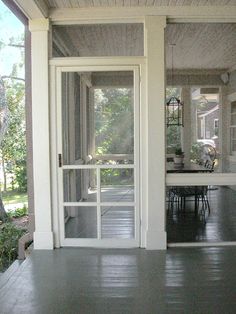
[[60, 160]]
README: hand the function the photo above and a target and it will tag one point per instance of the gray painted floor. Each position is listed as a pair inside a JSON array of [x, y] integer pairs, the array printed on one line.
[[117, 222], [219, 226], [70, 280]]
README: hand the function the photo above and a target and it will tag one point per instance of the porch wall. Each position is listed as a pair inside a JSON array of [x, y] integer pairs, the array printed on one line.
[[153, 212], [153, 163], [43, 236]]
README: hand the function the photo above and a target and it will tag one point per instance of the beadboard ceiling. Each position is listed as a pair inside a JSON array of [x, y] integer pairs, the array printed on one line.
[[197, 46], [201, 46], [101, 40], [133, 3]]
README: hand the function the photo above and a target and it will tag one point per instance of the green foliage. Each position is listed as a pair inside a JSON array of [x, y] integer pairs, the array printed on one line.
[[14, 197], [178, 151], [13, 146], [173, 136], [19, 212], [114, 129], [195, 152], [20, 175], [114, 121], [173, 132], [117, 177], [173, 92], [9, 236]]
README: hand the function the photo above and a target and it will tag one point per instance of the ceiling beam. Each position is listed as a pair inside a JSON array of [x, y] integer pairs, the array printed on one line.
[[119, 14], [33, 9]]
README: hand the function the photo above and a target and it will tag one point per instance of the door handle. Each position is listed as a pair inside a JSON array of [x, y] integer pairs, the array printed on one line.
[[60, 160]]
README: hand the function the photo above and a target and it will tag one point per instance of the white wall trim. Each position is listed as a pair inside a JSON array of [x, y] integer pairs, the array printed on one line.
[[155, 77], [43, 240], [54, 156], [202, 244], [74, 65], [33, 9], [40, 128], [39, 25], [98, 61], [117, 14], [179, 179]]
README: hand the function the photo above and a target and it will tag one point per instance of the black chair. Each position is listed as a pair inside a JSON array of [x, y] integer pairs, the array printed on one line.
[[179, 196], [210, 165]]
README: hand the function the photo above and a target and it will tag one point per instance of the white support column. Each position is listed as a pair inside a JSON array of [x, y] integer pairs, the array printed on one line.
[[187, 143], [43, 237], [224, 130], [154, 45]]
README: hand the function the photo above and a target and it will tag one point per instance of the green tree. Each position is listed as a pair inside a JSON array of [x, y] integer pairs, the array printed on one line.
[[114, 121], [114, 130], [13, 146], [173, 133]]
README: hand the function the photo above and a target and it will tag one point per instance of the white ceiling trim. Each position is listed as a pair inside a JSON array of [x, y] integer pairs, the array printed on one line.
[[179, 179], [33, 9], [200, 13]]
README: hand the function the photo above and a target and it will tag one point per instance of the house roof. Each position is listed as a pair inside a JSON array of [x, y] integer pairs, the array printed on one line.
[[208, 111]]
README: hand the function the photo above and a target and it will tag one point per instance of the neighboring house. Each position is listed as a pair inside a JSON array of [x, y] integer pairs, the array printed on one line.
[[208, 126], [86, 42]]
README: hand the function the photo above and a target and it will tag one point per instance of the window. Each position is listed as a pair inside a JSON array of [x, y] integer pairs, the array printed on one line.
[[216, 127], [202, 123]]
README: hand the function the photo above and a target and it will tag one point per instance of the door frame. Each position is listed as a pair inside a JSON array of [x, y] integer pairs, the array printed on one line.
[[59, 65]]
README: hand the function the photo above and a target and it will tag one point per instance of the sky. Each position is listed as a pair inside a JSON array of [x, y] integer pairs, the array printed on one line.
[[10, 26]]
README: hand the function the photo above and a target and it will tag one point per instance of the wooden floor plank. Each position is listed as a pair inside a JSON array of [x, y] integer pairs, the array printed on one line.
[[70, 280], [220, 224]]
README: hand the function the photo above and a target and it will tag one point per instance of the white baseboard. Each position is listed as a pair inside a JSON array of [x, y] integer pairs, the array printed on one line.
[[43, 240]]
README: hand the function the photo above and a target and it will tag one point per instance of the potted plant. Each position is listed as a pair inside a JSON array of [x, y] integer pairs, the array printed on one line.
[[179, 156]]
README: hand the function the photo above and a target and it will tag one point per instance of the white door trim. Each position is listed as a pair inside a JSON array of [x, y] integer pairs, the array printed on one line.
[[56, 71]]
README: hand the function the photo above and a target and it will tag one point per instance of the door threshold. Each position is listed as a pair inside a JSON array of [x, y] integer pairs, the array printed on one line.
[[201, 244]]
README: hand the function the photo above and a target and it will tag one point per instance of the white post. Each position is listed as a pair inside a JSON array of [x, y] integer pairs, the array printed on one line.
[[43, 237], [187, 143], [154, 45]]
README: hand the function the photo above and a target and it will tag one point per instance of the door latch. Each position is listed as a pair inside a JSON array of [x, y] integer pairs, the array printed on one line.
[[60, 160]]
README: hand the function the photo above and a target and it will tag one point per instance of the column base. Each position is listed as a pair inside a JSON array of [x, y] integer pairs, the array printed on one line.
[[156, 240], [43, 240]]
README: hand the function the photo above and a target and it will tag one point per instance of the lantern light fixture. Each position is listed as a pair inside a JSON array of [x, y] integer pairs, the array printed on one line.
[[174, 106]]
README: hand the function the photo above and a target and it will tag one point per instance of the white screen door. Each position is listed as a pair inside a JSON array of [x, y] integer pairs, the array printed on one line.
[[98, 156]]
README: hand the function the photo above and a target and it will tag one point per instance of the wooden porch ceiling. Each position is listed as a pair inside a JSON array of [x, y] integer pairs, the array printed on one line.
[[47, 8], [134, 3], [201, 46], [198, 46]]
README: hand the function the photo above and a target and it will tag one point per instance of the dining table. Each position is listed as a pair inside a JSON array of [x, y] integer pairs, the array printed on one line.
[[186, 167], [185, 191]]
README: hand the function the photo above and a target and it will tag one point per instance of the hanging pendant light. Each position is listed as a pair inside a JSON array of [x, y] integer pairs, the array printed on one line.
[[174, 107]]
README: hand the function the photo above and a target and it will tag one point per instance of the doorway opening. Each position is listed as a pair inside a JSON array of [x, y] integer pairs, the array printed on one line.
[[98, 150]]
